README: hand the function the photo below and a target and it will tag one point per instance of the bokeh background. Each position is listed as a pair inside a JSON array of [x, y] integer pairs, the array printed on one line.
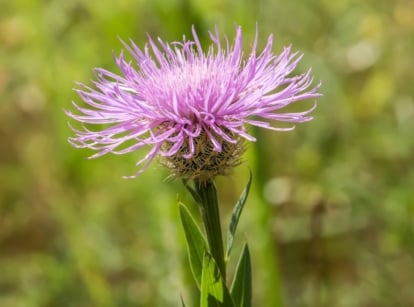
[[330, 216]]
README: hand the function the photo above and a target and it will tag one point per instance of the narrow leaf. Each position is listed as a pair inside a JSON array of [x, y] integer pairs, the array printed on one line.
[[196, 243], [214, 292], [241, 289], [238, 208], [182, 302], [193, 192]]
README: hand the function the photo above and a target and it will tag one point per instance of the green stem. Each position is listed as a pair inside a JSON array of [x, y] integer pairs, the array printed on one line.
[[211, 219]]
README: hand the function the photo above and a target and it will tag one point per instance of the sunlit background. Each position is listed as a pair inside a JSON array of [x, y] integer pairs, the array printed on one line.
[[330, 216]]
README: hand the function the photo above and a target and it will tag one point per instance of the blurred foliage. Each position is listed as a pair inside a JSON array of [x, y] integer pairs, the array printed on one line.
[[333, 201]]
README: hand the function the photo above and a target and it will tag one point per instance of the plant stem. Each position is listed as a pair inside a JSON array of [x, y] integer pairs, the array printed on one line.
[[211, 219]]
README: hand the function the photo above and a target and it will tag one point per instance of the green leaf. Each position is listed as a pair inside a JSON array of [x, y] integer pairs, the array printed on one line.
[[193, 192], [241, 289], [196, 243], [238, 208], [182, 302], [214, 292]]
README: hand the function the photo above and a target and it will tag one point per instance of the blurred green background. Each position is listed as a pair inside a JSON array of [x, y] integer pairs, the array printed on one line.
[[330, 216]]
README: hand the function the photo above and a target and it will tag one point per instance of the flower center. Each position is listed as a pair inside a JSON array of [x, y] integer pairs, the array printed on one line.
[[206, 163]]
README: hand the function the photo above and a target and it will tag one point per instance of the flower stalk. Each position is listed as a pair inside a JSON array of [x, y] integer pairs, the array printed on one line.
[[210, 215]]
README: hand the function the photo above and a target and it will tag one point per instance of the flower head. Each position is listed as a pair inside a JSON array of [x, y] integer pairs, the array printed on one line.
[[189, 106]]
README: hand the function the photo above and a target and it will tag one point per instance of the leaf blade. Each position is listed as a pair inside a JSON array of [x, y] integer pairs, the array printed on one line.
[[182, 302], [193, 192], [235, 216], [196, 243], [241, 288], [214, 292]]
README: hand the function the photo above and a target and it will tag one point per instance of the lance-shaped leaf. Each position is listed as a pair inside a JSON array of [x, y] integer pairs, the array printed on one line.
[[182, 302], [193, 192], [241, 289], [214, 292], [238, 208], [196, 243]]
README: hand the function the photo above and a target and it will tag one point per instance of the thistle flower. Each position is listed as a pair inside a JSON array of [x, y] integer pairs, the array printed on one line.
[[190, 107]]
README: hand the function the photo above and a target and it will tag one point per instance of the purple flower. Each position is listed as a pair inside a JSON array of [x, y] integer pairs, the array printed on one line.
[[190, 107]]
